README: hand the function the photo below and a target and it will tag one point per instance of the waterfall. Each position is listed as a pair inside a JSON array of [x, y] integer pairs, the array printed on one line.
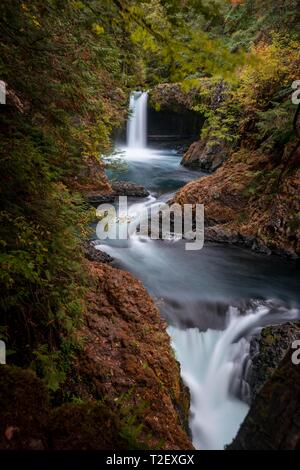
[[137, 123], [212, 364]]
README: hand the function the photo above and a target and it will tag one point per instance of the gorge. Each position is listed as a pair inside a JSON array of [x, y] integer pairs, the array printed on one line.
[[136, 343], [214, 300]]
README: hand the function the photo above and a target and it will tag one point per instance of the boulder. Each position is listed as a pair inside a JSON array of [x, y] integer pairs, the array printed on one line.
[[204, 156], [267, 350], [118, 188], [273, 422]]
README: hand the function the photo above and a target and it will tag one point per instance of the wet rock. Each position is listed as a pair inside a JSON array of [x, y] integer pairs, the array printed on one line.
[[221, 234], [267, 350], [124, 188], [242, 208], [127, 351], [204, 156], [273, 422], [118, 188], [93, 254]]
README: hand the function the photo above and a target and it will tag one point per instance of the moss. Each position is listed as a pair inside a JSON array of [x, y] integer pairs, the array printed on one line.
[[24, 409], [29, 420]]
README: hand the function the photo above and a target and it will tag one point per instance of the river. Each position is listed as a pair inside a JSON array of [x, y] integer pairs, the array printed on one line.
[[213, 299]]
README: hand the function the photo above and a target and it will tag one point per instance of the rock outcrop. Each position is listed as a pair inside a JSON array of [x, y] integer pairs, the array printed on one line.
[[93, 254], [248, 201], [273, 422], [267, 350], [204, 156], [127, 351], [171, 116], [123, 389], [118, 188], [172, 97]]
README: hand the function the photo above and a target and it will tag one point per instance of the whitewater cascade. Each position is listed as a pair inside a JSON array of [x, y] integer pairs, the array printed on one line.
[[137, 123], [214, 352], [212, 366]]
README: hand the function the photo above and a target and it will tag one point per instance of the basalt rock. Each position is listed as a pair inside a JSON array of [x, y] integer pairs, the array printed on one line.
[[205, 156], [118, 188], [93, 254], [267, 350], [249, 202], [171, 116], [273, 422], [171, 97], [127, 354]]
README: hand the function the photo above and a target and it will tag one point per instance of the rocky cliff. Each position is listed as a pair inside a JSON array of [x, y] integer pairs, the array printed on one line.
[[171, 117], [273, 420], [251, 201], [123, 390], [267, 351]]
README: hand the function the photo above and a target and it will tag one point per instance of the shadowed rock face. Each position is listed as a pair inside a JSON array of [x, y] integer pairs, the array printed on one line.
[[29, 420], [171, 116], [267, 350], [205, 157], [125, 380], [273, 422]]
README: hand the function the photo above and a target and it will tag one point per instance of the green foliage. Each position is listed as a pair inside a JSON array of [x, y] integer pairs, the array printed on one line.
[[181, 40], [258, 104], [131, 422], [69, 66], [254, 20], [63, 65], [275, 125]]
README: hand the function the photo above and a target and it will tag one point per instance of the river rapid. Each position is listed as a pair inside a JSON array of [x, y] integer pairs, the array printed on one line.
[[213, 299]]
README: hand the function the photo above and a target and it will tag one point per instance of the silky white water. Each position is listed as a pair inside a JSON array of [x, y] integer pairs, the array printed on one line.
[[137, 122], [195, 290], [212, 365]]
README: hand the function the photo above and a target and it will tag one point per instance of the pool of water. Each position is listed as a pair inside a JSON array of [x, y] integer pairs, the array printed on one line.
[[213, 299]]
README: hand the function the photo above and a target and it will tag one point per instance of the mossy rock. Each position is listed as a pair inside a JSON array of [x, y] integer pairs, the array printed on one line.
[[24, 410], [28, 419]]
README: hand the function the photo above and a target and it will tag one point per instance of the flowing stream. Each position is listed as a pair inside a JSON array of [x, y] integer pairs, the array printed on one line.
[[214, 299]]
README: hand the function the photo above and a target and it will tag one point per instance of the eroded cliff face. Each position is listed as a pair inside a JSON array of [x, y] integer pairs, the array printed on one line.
[[171, 115], [251, 200], [273, 419], [123, 390]]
